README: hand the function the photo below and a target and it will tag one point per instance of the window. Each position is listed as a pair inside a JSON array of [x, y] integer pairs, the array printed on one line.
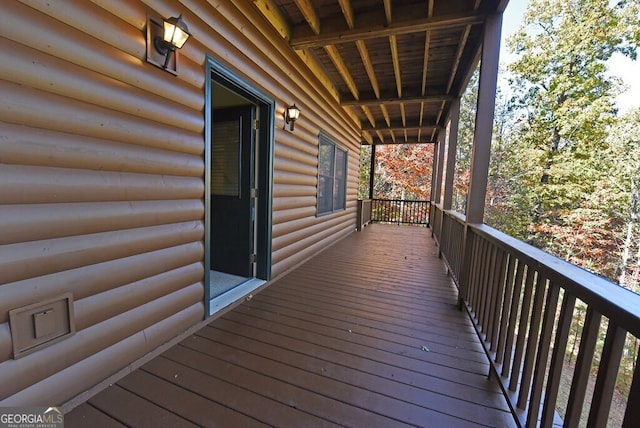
[[332, 176]]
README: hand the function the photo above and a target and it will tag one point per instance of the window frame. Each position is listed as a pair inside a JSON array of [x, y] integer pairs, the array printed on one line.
[[322, 208]]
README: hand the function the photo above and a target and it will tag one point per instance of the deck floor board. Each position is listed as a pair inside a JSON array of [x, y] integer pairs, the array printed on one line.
[[367, 333]]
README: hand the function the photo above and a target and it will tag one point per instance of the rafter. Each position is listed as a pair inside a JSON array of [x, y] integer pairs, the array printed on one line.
[[421, 119], [395, 58], [387, 11], [425, 63], [368, 66], [454, 70], [381, 30], [369, 116], [342, 68], [392, 110], [270, 11], [347, 11], [385, 113], [309, 14]]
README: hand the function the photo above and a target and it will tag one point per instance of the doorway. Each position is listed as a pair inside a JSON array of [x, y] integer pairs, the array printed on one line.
[[238, 186]]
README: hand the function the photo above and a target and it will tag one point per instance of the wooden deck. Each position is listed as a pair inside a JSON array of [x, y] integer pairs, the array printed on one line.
[[366, 334]]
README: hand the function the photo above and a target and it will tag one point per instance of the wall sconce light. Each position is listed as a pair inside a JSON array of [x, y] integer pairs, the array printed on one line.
[[164, 36], [291, 114]]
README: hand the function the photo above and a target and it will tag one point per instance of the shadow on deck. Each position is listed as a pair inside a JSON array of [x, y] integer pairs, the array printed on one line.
[[366, 334]]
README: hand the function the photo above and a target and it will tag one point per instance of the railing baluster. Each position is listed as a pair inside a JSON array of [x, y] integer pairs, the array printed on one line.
[[473, 267], [485, 300], [632, 414], [488, 265], [499, 301], [522, 328], [490, 292], [557, 359], [496, 299], [506, 310], [607, 374], [480, 287], [532, 340], [513, 317], [544, 346], [588, 341]]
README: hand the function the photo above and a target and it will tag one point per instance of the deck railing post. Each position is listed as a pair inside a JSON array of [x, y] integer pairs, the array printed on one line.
[[372, 171]]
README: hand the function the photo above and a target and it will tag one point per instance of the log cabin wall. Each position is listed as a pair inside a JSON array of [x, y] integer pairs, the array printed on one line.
[[101, 176]]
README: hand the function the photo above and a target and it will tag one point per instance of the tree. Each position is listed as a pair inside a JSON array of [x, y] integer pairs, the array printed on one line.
[[623, 191], [466, 130], [364, 171], [403, 171], [566, 101]]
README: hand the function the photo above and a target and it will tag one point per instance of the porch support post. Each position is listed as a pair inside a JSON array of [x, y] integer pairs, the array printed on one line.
[[481, 151], [452, 143], [484, 119], [372, 169], [438, 168]]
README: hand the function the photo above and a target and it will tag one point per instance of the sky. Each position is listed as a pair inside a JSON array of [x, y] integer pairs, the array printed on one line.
[[619, 65]]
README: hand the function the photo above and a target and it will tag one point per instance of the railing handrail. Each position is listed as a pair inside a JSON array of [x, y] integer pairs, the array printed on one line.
[[399, 200], [610, 299]]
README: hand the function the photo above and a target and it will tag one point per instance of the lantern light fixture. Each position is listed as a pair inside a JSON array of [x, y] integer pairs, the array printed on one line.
[[174, 36], [291, 115], [164, 36]]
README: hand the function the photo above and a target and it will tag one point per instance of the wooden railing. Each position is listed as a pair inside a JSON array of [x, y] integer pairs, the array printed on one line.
[[530, 309], [364, 213], [400, 211]]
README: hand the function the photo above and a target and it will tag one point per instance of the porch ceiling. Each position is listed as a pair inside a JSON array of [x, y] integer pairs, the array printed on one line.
[[395, 65]]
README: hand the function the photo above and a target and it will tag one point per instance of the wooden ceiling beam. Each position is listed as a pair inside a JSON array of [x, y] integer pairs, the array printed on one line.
[[365, 32], [368, 66], [347, 11], [343, 70], [400, 128], [385, 113], [395, 58], [388, 141], [389, 101], [270, 11], [425, 64], [387, 11], [369, 116], [309, 14]]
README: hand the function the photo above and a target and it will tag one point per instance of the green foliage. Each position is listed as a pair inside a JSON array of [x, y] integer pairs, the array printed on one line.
[[365, 172], [562, 114], [620, 193], [466, 127]]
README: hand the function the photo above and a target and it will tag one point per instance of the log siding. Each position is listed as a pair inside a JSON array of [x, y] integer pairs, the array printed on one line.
[[101, 172]]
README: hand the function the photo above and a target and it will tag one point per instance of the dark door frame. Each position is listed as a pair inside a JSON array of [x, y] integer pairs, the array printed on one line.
[[221, 74]]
